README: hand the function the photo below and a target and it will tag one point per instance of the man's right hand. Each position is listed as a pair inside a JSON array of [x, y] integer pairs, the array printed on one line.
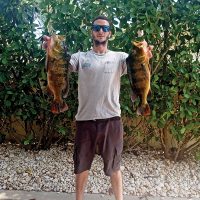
[[47, 43]]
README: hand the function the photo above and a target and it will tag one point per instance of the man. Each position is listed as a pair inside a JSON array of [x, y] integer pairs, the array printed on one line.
[[99, 127]]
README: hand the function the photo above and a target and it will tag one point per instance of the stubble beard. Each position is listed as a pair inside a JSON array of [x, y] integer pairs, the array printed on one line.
[[98, 43]]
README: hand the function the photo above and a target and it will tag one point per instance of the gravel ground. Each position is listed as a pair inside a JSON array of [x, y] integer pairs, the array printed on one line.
[[146, 174]]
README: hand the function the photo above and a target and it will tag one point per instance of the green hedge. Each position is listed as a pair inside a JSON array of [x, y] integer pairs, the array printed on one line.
[[171, 26]]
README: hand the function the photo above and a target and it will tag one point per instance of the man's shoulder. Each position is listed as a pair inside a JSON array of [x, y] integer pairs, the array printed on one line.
[[80, 53], [119, 54]]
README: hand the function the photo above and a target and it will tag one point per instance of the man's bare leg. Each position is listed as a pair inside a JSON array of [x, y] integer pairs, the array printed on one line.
[[81, 181], [116, 182]]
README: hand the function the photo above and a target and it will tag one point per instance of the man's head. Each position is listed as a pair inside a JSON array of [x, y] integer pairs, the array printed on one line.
[[100, 30]]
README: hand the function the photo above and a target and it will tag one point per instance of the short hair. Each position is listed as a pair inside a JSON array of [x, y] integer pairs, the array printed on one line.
[[101, 17]]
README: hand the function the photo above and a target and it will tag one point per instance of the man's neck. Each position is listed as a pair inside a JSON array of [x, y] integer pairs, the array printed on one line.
[[100, 49]]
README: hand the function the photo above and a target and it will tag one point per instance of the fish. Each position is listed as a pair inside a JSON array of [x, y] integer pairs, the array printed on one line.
[[57, 64], [139, 73]]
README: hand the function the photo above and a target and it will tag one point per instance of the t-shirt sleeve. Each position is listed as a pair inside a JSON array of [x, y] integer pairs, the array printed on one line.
[[74, 62], [123, 63]]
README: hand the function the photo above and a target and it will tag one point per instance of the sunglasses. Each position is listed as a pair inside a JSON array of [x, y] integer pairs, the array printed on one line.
[[97, 28]]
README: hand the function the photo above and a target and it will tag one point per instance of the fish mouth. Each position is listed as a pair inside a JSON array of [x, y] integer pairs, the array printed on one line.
[[138, 44]]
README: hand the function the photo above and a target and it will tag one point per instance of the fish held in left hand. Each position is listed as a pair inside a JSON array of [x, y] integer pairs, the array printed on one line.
[[57, 63], [138, 68]]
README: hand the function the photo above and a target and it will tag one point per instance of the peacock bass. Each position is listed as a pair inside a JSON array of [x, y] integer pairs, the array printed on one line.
[[57, 61], [138, 68]]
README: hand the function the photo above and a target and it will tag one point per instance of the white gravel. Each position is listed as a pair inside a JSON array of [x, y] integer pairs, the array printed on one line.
[[145, 174]]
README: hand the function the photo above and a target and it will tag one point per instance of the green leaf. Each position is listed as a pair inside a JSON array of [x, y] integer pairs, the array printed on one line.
[[7, 103], [26, 142], [187, 96], [10, 92], [174, 81], [183, 130], [4, 61]]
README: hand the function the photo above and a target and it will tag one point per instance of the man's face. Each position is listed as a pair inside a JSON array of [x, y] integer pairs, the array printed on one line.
[[101, 35]]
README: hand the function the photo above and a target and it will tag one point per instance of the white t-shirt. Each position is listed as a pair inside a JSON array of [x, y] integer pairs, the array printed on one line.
[[98, 83]]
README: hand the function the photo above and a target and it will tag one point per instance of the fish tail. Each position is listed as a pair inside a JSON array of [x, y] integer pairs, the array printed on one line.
[[144, 110], [58, 107]]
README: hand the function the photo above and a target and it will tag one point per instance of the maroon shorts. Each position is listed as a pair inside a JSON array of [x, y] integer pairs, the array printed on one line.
[[102, 136]]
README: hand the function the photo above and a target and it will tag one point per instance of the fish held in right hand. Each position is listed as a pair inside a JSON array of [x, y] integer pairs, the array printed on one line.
[[57, 71]]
